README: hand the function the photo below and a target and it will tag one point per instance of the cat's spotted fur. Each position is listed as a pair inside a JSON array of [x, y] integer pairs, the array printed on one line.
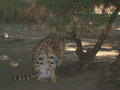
[[48, 54]]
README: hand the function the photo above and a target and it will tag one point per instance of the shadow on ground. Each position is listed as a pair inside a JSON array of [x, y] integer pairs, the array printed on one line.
[[70, 78]]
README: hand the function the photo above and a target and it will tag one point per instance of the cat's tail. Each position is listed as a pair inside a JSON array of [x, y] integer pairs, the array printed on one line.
[[22, 77]]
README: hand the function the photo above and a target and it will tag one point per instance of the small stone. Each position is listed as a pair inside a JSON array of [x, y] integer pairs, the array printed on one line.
[[14, 64], [4, 58]]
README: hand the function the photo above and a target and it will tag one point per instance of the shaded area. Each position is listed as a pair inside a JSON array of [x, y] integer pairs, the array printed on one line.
[[69, 76]]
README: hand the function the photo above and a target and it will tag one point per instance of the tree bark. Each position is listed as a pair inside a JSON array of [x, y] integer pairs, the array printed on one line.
[[116, 64], [114, 67], [87, 57], [105, 32]]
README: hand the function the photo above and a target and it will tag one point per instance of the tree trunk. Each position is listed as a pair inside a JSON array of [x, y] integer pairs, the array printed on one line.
[[87, 57], [114, 67], [116, 64]]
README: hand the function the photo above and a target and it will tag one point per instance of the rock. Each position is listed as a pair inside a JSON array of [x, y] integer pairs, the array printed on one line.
[[14, 64], [4, 58]]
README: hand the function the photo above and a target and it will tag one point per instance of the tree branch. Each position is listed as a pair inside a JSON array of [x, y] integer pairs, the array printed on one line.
[[105, 32]]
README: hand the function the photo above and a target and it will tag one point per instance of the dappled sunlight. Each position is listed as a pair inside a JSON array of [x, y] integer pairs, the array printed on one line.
[[69, 44], [70, 48], [107, 53], [87, 40], [106, 47], [106, 56], [100, 53], [119, 13], [86, 43], [116, 28], [98, 9]]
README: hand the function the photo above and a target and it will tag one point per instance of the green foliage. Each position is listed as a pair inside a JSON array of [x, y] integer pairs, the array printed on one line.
[[94, 18], [71, 6], [63, 11], [12, 3], [2, 4], [61, 21], [19, 4]]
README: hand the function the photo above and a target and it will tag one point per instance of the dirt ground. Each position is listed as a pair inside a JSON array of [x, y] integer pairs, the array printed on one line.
[[69, 78]]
